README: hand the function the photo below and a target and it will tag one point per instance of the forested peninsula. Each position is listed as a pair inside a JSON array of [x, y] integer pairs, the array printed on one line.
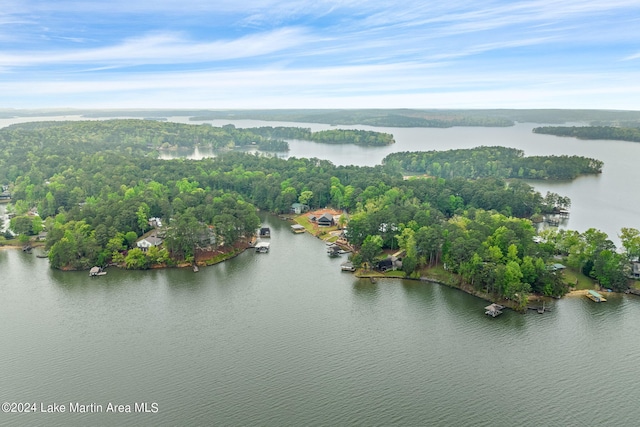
[[98, 189], [499, 162], [333, 136], [146, 137], [593, 132]]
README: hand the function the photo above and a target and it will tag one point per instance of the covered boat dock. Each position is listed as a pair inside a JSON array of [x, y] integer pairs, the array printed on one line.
[[262, 247], [494, 310], [595, 296]]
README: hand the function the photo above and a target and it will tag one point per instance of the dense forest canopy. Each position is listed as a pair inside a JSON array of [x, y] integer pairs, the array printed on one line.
[[500, 162], [333, 136], [593, 132], [94, 185]]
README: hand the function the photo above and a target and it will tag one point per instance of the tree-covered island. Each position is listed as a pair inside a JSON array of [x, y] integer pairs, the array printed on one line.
[[592, 132], [333, 136], [498, 162], [102, 195]]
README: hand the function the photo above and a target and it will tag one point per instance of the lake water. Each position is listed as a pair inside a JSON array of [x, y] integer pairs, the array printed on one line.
[[287, 339]]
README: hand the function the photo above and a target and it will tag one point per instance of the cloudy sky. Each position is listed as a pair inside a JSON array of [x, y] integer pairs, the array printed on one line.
[[320, 54]]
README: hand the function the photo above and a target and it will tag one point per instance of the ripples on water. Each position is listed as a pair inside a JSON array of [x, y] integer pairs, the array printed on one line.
[[287, 339]]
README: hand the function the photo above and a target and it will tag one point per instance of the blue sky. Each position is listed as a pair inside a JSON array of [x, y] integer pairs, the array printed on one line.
[[320, 54]]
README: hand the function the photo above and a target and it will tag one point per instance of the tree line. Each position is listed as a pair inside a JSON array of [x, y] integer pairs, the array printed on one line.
[[499, 162], [332, 136], [593, 132]]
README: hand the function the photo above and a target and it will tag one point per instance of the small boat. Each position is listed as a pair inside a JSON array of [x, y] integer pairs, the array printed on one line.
[[195, 268]]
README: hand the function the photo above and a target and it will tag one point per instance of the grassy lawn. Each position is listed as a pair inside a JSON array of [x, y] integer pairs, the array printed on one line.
[[437, 272], [303, 220], [395, 273], [571, 276], [312, 228]]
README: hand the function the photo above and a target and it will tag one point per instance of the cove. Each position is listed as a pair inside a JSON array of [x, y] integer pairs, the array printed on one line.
[[287, 339]]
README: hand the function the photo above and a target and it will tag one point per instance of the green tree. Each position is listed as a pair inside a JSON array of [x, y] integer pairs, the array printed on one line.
[[22, 225], [131, 238], [630, 238], [305, 197], [370, 249], [608, 270], [136, 259], [143, 217]]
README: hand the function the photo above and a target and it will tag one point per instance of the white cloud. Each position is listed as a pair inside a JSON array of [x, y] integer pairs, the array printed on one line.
[[164, 49]]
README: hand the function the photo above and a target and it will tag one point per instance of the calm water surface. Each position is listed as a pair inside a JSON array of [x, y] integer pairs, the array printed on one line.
[[287, 339]]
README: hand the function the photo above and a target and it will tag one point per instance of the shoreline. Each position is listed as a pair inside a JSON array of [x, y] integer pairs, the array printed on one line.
[[10, 247]]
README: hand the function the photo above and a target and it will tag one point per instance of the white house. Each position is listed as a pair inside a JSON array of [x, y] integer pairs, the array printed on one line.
[[147, 242]]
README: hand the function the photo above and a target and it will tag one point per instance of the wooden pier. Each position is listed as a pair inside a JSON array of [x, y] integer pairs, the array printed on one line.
[[541, 309]]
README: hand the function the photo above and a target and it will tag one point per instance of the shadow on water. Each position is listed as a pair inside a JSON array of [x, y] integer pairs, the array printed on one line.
[[421, 292], [366, 289], [29, 258], [186, 280]]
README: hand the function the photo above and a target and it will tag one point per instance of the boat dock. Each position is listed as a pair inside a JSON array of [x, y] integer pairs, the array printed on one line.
[[96, 271], [494, 310], [540, 309], [262, 247], [595, 296], [347, 266]]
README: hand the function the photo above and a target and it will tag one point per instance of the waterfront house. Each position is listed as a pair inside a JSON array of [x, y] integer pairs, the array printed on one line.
[[298, 208], [389, 263], [326, 220], [635, 270], [146, 242]]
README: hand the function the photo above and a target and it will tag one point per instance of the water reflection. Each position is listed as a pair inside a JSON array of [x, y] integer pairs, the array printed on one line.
[[419, 293], [365, 289]]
